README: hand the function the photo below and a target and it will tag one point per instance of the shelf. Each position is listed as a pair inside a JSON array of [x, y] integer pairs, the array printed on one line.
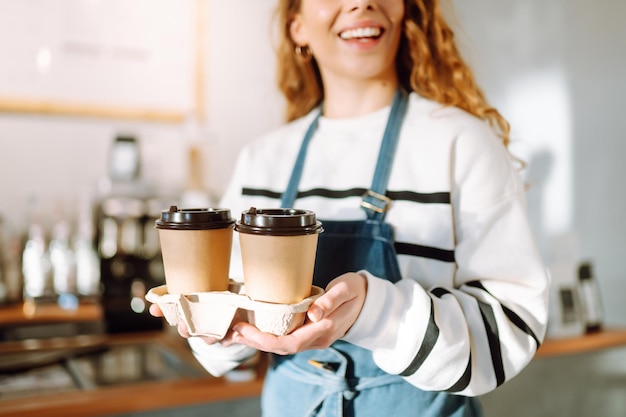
[[604, 339], [31, 313]]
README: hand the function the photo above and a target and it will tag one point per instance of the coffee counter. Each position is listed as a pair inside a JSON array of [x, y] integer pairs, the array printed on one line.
[[182, 383], [138, 396], [117, 373]]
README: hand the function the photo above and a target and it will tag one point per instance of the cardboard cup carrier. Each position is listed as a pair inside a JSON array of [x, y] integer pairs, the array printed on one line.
[[196, 248]]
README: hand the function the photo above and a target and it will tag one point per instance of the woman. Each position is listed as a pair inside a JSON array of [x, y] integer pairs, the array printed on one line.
[[389, 138]]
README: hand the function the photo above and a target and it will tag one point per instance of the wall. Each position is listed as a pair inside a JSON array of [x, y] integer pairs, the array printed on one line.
[[553, 68], [60, 158]]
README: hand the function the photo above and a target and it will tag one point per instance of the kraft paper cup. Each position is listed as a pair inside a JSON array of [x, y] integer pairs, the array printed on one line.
[[278, 248], [196, 248]]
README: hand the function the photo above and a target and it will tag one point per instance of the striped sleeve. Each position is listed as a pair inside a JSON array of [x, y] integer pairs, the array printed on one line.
[[475, 335]]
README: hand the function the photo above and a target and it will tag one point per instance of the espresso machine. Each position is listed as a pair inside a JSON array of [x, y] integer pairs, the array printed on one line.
[[127, 242]]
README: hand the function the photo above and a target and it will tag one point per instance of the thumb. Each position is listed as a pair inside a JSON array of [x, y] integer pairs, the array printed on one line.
[[315, 313], [327, 303]]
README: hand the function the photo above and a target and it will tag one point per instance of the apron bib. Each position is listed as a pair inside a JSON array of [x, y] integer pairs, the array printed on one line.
[[343, 380]]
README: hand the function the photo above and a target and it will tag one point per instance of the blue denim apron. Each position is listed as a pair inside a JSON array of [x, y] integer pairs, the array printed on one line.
[[343, 380]]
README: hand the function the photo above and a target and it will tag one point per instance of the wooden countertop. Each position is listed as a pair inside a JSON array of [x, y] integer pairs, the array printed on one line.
[[137, 397], [129, 399], [604, 339], [146, 396], [116, 399], [31, 313]]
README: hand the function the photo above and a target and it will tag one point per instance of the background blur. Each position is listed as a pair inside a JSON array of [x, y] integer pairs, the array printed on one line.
[[553, 68]]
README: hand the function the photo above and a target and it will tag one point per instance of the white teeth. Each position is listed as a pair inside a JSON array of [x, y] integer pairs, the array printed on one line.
[[360, 33]]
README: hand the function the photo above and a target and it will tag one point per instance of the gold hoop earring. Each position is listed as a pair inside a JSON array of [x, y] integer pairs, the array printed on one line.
[[303, 52]]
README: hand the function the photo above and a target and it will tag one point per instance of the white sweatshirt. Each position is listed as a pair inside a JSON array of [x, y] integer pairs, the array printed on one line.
[[471, 307]]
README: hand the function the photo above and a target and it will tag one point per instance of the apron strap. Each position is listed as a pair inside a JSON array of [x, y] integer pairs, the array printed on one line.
[[374, 201], [291, 193]]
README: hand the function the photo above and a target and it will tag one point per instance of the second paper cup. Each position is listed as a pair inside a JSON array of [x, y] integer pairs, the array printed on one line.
[[278, 248]]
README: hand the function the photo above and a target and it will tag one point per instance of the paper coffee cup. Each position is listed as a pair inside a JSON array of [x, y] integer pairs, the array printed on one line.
[[196, 247], [278, 248]]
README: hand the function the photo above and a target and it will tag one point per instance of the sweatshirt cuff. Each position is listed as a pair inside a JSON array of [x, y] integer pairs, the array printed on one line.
[[373, 329], [218, 359]]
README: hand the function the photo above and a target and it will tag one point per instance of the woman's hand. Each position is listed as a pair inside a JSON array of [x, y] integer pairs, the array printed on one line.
[[329, 317]]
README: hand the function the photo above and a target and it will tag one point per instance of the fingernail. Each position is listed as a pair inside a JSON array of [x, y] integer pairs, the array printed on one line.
[[315, 313]]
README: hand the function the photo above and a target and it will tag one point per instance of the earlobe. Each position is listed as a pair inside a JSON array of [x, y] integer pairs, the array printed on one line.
[[295, 30]]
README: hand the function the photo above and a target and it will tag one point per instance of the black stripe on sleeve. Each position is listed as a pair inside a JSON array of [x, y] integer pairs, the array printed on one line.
[[464, 381], [491, 327], [429, 252], [517, 320], [510, 314], [439, 292], [430, 338], [315, 192], [256, 192], [425, 198], [336, 194]]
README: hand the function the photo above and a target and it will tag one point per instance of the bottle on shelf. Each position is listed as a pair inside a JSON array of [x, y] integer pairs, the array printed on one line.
[[566, 310], [87, 259], [590, 298], [36, 264], [62, 262]]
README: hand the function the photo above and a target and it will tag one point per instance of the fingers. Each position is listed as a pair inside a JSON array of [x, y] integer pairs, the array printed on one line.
[[325, 305], [210, 340], [228, 340], [309, 336], [182, 330], [339, 291], [330, 317], [155, 310], [247, 334]]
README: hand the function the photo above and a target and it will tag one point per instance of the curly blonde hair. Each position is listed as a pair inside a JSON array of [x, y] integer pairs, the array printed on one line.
[[428, 62]]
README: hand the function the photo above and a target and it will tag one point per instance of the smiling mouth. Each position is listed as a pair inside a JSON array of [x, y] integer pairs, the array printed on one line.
[[361, 33]]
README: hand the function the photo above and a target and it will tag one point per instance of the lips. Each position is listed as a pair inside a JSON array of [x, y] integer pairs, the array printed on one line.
[[361, 33]]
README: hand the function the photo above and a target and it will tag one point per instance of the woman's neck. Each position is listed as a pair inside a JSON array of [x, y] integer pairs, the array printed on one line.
[[345, 99]]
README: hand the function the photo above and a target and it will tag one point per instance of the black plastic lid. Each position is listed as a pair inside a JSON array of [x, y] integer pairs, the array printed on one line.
[[194, 219], [278, 222]]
